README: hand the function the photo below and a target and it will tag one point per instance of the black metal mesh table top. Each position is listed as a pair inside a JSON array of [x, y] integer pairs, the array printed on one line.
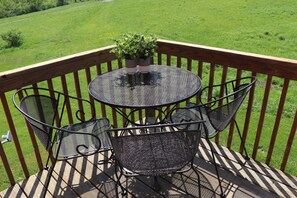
[[161, 86]]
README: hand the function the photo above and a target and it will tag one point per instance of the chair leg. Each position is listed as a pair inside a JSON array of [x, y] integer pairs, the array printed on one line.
[[109, 159], [157, 186], [118, 183], [199, 186], [242, 143], [216, 168], [50, 152], [50, 173]]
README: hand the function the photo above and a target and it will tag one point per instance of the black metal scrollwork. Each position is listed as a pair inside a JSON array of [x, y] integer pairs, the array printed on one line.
[[78, 113]]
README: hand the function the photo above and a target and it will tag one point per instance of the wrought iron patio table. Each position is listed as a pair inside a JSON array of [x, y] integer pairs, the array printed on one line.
[[161, 87]]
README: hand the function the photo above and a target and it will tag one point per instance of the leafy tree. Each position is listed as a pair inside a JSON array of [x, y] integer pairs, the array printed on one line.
[[10, 8]]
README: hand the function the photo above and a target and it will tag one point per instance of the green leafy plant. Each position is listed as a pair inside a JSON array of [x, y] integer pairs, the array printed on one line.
[[134, 46], [147, 46], [13, 38]]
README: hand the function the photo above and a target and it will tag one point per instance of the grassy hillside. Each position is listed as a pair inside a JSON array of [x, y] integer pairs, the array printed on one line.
[[252, 26]]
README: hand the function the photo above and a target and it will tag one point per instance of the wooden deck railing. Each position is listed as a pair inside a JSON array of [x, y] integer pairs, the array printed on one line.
[[267, 120]]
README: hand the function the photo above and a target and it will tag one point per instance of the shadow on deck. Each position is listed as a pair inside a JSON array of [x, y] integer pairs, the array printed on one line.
[[84, 177]]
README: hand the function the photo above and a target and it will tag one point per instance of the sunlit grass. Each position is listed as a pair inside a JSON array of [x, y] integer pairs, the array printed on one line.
[[252, 26]]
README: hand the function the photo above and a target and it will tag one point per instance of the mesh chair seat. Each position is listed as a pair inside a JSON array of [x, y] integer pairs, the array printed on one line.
[[190, 113], [155, 154], [81, 142]]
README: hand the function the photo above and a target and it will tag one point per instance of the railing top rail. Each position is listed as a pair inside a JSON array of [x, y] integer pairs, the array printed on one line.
[[281, 67], [14, 79]]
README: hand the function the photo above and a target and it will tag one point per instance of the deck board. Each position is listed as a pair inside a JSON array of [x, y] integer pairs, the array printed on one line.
[[77, 181], [95, 176], [14, 191], [32, 186], [85, 177], [261, 168], [259, 174]]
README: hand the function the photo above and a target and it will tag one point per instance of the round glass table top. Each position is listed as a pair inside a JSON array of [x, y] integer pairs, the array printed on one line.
[[161, 86]]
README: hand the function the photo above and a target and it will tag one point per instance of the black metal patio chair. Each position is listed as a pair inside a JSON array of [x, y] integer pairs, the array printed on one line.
[[223, 101], [155, 150], [44, 109]]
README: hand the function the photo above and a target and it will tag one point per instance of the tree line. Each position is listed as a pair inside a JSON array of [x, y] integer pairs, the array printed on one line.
[[10, 8]]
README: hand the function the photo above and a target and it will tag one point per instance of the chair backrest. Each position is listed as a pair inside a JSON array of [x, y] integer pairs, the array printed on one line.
[[156, 149], [40, 111], [220, 110]]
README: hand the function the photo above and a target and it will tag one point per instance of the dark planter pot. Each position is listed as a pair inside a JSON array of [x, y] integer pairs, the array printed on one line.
[[131, 66], [144, 65]]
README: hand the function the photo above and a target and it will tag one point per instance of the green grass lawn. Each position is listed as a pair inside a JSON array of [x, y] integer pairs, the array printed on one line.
[[251, 26], [258, 26]]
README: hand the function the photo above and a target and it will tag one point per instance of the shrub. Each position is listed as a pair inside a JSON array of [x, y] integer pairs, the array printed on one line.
[[13, 38], [61, 2]]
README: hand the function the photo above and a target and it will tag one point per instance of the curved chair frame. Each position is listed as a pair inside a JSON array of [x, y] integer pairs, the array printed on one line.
[[85, 134], [217, 112]]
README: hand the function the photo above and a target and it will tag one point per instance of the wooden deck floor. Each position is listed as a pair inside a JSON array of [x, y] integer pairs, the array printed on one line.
[[84, 177]]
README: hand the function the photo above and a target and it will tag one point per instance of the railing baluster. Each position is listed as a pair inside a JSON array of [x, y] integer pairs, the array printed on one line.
[[231, 128], [178, 62], [262, 116], [211, 79], [248, 116], [35, 88], [51, 87], [68, 107], [159, 59], [189, 64], [210, 83], [33, 139], [78, 94], [89, 79], [200, 66], [168, 60], [114, 115], [222, 90], [289, 143], [189, 67], [103, 108], [120, 65], [277, 120], [6, 166], [14, 135]]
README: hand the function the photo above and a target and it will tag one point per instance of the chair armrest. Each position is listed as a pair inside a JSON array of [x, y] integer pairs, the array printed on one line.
[[81, 107], [214, 92]]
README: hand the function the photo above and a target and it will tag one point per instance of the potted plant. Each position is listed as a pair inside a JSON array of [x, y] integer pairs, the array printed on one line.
[[147, 48], [136, 49], [127, 48]]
